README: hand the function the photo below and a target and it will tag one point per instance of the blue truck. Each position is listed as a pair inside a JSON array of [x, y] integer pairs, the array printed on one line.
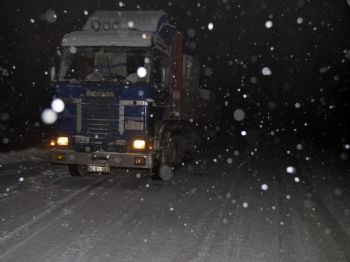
[[132, 98]]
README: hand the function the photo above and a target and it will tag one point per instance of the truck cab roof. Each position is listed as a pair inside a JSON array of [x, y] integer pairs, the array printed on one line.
[[118, 28], [120, 38], [144, 21]]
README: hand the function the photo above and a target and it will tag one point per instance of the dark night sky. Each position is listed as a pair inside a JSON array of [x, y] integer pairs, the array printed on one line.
[[309, 61]]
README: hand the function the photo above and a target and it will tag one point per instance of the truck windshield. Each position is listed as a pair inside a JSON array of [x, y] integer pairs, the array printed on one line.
[[105, 64]]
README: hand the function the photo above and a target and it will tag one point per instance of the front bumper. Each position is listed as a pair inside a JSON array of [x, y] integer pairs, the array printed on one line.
[[112, 159]]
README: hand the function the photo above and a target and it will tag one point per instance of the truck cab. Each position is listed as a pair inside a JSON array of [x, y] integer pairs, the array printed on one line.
[[121, 80]]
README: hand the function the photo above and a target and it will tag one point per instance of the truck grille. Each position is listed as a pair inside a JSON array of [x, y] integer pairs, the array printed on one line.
[[100, 119]]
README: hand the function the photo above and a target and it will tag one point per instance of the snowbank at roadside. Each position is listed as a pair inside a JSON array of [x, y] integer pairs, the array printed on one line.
[[32, 155]]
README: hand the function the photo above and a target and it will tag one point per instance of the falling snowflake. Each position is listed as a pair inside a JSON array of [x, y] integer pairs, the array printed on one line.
[[291, 170], [5, 140], [57, 105], [208, 71], [266, 71], [50, 16], [268, 24], [238, 115], [264, 187], [253, 80], [141, 72], [131, 24], [72, 49], [191, 32], [48, 116], [338, 192]]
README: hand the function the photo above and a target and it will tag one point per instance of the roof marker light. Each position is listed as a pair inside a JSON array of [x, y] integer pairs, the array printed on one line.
[[106, 25], [115, 25], [95, 24]]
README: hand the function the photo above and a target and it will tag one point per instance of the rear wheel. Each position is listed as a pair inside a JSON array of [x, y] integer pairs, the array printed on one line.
[[168, 150], [164, 170], [78, 170]]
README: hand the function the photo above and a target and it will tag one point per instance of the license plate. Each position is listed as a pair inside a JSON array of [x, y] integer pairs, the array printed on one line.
[[102, 169]]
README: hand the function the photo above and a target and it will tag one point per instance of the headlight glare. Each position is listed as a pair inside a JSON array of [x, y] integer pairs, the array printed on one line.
[[62, 141], [139, 144]]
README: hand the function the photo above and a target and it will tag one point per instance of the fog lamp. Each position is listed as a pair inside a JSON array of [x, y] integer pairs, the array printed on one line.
[[61, 157], [139, 144], [62, 141]]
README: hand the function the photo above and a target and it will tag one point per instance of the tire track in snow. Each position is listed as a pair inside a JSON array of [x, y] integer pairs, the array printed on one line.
[[199, 250], [187, 253], [67, 201], [105, 238], [104, 244], [286, 237], [209, 238], [320, 217], [9, 178], [5, 171], [232, 232]]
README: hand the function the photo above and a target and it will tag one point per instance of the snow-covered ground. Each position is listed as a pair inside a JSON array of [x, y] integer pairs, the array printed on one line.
[[219, 207]]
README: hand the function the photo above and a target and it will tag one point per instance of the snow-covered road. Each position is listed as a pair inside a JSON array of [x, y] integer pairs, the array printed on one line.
[[219, 207]]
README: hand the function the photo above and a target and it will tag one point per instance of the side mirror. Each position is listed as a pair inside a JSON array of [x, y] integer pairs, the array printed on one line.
[[167, 31], [53, 76]]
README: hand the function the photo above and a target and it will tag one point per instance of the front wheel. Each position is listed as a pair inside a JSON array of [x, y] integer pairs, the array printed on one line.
[[78, 170], [165, 172]]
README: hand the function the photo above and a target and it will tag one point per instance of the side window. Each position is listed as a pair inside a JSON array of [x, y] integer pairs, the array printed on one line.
[[162, 71], [157, 70], [167, 76]]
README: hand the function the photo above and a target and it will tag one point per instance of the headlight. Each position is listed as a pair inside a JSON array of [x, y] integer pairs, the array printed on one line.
[[62, 141], [139, 144]]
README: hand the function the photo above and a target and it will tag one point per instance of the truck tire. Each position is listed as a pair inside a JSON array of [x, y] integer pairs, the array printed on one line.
[[167, 160], [165, 172], [168, 150], [77, 170]]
